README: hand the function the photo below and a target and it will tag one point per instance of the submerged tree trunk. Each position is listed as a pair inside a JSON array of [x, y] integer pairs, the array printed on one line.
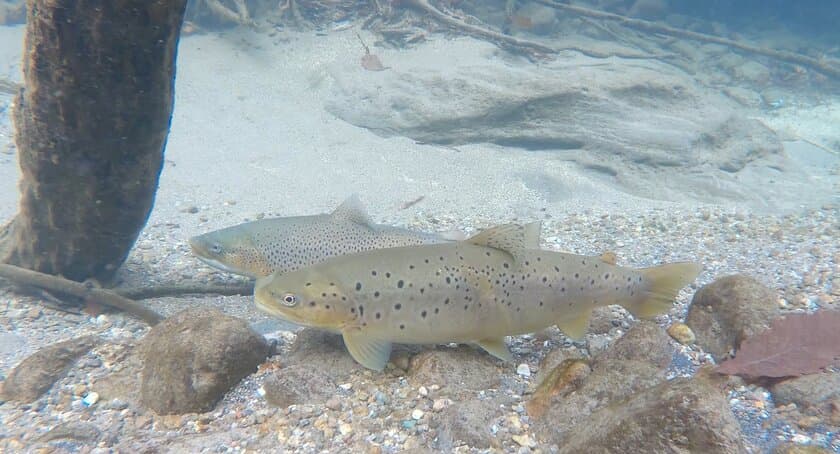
[[92, 122]]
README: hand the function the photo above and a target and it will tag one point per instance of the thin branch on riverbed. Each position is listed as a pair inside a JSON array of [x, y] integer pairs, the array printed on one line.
[[652, 27], [29, 278], [160, 291], [529, 47]]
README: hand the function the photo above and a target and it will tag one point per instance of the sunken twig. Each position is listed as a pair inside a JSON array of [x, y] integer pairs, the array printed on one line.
[[530, 47], [88, 293], [139, 293], [652, 27]]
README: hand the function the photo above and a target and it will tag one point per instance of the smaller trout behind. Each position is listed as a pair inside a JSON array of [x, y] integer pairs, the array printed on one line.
[[266, 246]]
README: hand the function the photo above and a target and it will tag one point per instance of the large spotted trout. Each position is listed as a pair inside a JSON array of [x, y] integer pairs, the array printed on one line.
[[494, 284], [265, 246]]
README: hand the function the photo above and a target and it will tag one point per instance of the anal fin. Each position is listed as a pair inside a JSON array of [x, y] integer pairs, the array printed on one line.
[[576, 327], [496, 346], [371, 353]]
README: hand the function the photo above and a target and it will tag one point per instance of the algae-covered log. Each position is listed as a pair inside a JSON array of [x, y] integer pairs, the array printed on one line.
[[92, 122]]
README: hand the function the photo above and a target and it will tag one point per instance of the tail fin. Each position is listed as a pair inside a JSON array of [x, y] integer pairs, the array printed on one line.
[[665, 282]]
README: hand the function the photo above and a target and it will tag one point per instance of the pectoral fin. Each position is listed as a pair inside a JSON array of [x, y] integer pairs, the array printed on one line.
[[577, 326], [371, 353], [496, 347]]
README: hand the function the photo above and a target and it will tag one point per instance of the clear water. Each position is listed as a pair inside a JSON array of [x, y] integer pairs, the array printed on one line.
[[653, 145]]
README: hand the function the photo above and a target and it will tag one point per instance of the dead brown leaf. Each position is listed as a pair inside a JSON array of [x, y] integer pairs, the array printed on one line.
[[798, 344]]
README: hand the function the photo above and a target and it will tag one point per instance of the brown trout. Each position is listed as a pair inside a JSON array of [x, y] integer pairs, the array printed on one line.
[[494, 284], [262, 247]]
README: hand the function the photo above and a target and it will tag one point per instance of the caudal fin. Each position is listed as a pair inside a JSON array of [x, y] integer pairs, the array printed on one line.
[[665, 282]]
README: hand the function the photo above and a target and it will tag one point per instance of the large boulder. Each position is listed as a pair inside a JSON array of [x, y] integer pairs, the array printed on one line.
[[191, 359], [727, 311], [682, 415]]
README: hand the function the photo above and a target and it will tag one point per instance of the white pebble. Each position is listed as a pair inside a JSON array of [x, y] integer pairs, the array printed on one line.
[[90, 399], [523, 370], [417, 414], [524, 440], [440, 404], [261, 391], [344, 428], [801, 439], [423, 391], [346, 386]]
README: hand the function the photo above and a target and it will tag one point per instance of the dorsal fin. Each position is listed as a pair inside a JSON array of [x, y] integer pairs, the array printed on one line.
[[352, 210], [511, 238]]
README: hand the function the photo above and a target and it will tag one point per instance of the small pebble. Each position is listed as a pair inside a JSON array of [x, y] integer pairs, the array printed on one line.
[[346, 386], [440, 404], [344, 428], [523, 370], [681, 333], [423, 391], [524, 440], [90, 399], [417, 414], [801, 439]]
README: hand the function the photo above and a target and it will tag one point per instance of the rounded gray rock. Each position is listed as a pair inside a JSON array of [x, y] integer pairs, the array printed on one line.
[[729, 310], [191, 359]]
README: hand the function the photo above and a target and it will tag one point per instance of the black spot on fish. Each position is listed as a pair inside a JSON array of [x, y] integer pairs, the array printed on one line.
[[557, 269], [343, 298], [577, 275], [448, 280], [544, 279], [312, 303], [592, 282], [361, 310], [466, 306], [388, 275], [376, 294], [437, 309], [541, 303], [527, 263], [400, 283], [398, 306], [327, 306], [505, 265], [358, 286], [583, 262], [441, 258], [563, 290], [447, 301], [422, 290], [402, 326], [487, 253], [373, 272], [606, 276], [411, 267], [353, 310], [423, 314], [378, 315], [426, 260], [308, 284]]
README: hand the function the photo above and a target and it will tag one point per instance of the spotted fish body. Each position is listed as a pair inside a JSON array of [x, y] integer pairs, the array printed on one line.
[[262, 247], [495, 284]]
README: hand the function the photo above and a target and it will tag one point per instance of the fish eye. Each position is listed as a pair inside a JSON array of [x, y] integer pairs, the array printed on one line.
[[289, 300], [216, 248]]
